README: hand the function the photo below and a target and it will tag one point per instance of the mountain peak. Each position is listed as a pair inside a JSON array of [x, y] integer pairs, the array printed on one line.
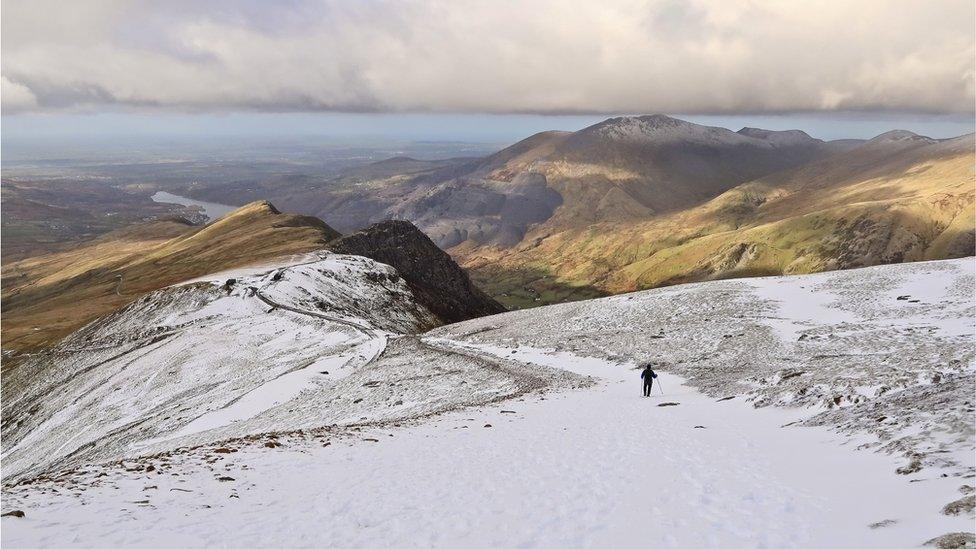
[[256, 207], [644, 122], [659, 129], [435, 279], [647, 128], [659, 120], [906, 136], [261, 217], [779, 137]]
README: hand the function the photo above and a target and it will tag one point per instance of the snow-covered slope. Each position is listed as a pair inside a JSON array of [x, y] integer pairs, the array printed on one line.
[[220, 358], [319, 340], [601, 467], [886, 354], [859, 373]]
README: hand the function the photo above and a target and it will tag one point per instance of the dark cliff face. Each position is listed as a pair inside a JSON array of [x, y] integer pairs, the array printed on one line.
[[436, 280]]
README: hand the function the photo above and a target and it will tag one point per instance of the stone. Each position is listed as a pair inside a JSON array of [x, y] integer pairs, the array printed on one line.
[[954, 540], [914, 466], [435, 279], [962, 505]]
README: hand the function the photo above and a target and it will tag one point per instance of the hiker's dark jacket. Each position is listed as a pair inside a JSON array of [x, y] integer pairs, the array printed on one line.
[[648, 375]]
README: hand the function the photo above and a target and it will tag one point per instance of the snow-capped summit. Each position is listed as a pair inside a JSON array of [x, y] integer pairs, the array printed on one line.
[[661, 129], [783, 138], [902, 136]]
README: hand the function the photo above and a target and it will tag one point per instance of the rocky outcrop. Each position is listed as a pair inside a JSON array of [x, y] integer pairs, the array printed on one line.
[[435, 279], [955, 540]]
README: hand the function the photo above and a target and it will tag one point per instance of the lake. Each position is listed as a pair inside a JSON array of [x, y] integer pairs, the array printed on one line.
[[210, 209]]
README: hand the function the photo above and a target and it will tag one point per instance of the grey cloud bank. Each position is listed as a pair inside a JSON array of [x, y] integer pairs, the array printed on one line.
[[488, 57]]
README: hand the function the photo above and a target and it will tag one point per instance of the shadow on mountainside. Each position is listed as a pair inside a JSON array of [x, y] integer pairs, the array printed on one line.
[[525, 287]]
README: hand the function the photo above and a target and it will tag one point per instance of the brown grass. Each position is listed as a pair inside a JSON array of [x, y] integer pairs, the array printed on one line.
[[47, 297], [864, 207]]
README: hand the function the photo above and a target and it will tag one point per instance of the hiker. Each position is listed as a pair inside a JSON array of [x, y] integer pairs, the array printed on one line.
[[648, 376]]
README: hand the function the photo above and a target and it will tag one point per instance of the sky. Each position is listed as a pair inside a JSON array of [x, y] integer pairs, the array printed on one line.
[[481, 70], [500, 129]]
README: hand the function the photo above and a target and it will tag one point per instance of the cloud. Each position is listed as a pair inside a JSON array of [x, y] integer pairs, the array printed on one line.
[[16, 97], [547, 56]]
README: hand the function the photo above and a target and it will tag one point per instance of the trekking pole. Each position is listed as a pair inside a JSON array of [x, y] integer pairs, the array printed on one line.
[[659, 386]]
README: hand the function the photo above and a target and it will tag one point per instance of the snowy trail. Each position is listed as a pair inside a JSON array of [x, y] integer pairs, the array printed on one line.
[[583, 468]]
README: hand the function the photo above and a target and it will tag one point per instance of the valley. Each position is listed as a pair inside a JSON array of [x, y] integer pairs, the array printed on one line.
[[57, 195], [49, 216]]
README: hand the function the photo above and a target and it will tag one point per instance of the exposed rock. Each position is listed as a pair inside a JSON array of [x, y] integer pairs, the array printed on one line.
[[960, 506], [668, 404], [18, 513], [955, 540], [881, 524], [435, 279], [914, 466]]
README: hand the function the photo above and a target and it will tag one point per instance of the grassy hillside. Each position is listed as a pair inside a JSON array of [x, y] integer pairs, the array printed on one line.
[[47, 297], [896, 198], [46, 216]]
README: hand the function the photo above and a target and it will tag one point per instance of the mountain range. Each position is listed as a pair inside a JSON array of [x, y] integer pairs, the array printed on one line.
[[626, 204], [638, 202]]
